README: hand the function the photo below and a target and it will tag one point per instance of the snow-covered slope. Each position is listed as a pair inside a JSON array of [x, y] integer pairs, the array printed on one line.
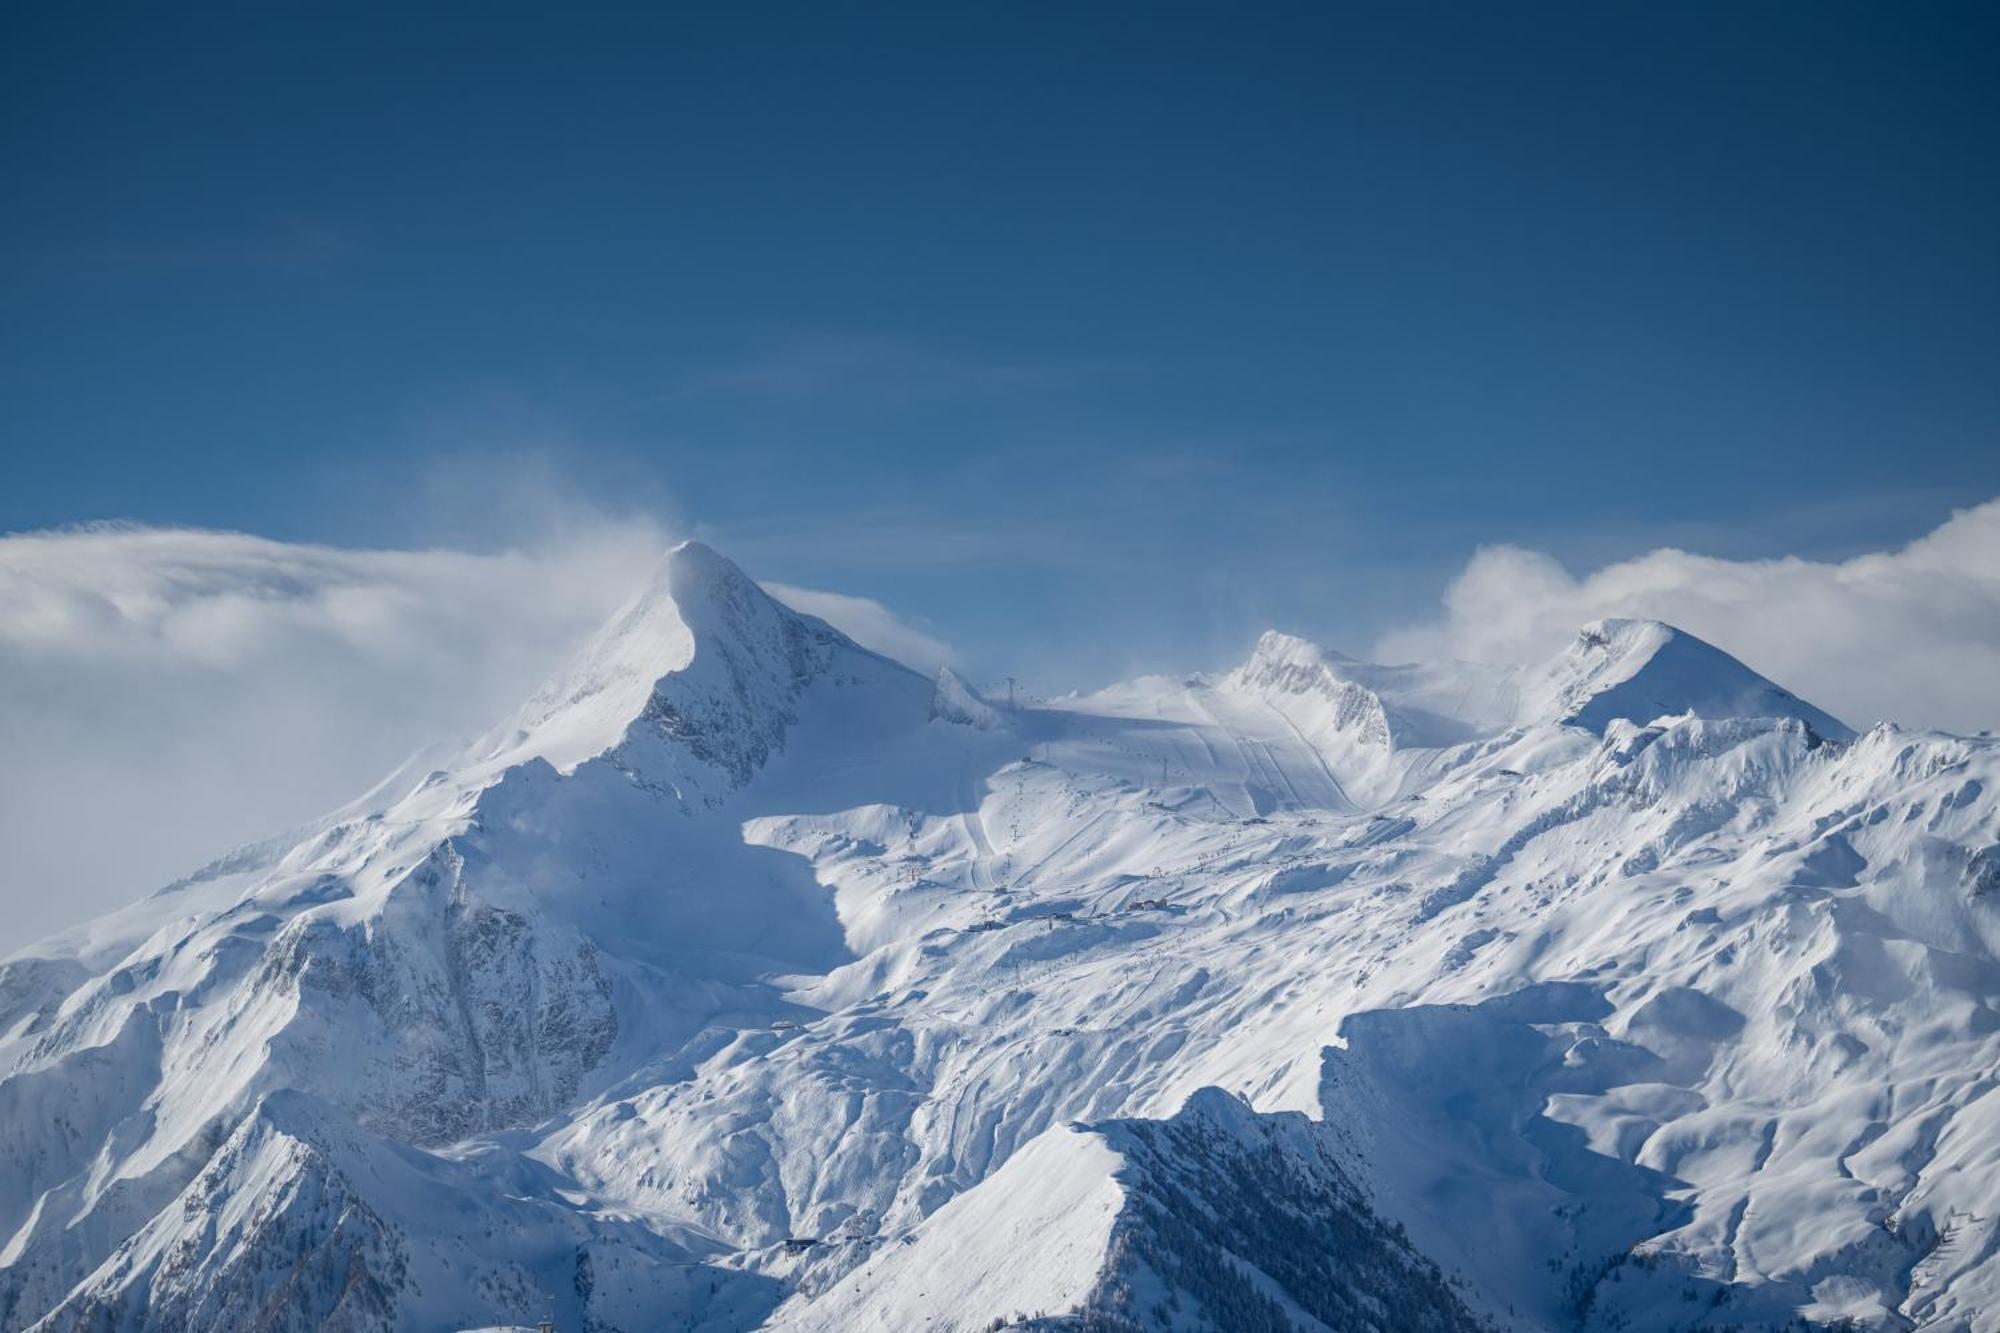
[[746, 976], [1216, 1216]]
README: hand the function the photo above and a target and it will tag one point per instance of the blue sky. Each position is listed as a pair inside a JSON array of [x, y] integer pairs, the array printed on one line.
[[1093, 338]]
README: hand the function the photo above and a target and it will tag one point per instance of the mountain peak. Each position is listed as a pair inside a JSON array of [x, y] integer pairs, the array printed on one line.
[[1610, 633], [695, 596], [1614, 668], [1277, 648], [689, 580], [1290, 665], [956, 700], [585, 708], [1318, 685], [1642, 669], [693, 569], [704, 657]]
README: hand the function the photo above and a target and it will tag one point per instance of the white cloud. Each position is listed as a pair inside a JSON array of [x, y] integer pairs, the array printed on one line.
[[870, 624], [166, 694], [1911, 635]]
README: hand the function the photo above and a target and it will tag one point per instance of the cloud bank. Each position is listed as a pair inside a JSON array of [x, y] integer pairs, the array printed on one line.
[[1911, 636], [166, 694]]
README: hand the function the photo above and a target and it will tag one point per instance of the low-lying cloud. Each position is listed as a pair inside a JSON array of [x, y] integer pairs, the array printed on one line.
[[166, 694], [1911, 636]]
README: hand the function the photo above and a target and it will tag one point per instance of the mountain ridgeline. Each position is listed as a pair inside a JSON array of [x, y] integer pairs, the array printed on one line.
[[747, 979]]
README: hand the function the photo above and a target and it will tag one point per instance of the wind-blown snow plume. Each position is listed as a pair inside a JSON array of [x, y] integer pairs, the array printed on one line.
[[197, 689], [870, 624], [1911, 635]]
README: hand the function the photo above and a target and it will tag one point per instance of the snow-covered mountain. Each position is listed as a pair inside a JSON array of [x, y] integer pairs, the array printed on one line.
[[747, 979]]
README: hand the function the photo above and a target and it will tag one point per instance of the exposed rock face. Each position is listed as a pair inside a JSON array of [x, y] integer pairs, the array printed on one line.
[[1241, 1221], [475, 1019], [287, 1246]]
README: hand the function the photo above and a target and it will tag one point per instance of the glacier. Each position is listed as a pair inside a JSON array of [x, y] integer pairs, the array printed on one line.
[[747, 979]]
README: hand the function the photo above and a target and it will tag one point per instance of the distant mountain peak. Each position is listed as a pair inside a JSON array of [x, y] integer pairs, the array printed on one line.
[[1275, 647], [1638, 670], [956, 700], [1283, 665], [1643, 669]]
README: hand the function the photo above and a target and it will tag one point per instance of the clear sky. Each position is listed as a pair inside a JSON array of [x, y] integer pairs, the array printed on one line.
[[1089, 336]]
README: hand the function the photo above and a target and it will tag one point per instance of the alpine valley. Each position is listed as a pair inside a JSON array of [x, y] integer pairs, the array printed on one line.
[[747, 979]]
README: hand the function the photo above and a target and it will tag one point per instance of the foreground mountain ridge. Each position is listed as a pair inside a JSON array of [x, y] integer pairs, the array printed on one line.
[[748, 978]]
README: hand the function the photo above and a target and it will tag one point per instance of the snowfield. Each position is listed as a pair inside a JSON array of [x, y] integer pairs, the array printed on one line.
[[747, 979]]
